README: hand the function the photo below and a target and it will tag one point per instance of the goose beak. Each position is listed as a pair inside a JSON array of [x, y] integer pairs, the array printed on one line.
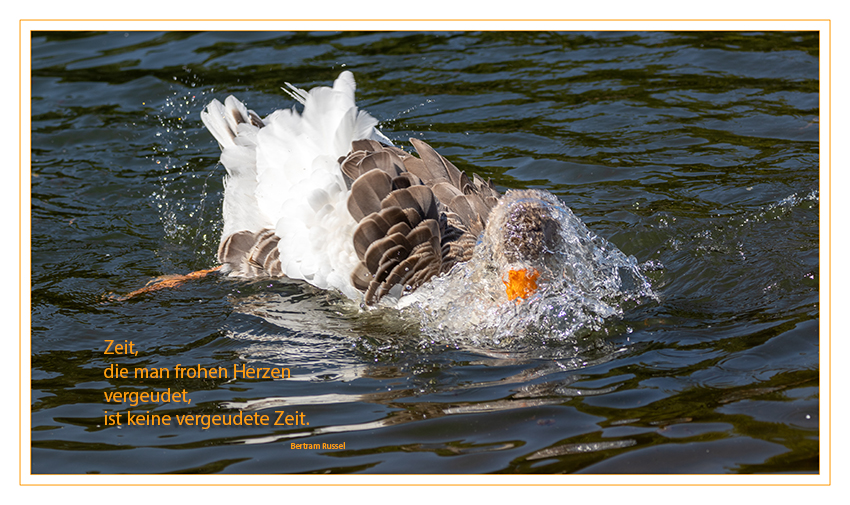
[[521, 283]]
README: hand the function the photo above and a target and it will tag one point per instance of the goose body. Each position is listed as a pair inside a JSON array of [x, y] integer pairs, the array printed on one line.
[[323, 196]]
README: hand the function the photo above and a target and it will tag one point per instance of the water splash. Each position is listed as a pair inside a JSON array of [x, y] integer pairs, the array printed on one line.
[[787, 205], [187, 201], [584, 281]]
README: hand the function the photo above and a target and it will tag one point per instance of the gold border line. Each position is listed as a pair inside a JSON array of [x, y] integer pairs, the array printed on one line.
[[318, 483]]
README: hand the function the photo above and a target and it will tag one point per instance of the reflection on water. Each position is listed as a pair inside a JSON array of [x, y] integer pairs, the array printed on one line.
[[675, 329]]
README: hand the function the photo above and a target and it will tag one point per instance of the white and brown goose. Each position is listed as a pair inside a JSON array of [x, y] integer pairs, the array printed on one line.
[[322, 196]]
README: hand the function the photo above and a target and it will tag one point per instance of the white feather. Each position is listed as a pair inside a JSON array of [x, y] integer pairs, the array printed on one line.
[[286, 176], [240, 209]]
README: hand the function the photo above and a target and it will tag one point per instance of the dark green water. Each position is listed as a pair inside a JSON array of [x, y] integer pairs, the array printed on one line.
[[695, 152]]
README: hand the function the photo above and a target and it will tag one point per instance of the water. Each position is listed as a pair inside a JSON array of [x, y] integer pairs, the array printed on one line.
[[695, 154]]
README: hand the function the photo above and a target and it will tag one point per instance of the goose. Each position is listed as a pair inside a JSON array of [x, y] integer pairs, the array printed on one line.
[[324, 197]]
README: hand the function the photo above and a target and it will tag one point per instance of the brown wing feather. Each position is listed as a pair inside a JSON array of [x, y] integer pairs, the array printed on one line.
[[367, 193], [417, 217], [250, 254]]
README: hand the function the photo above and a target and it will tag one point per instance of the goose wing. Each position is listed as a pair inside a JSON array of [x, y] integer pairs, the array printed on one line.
[[416, 217]]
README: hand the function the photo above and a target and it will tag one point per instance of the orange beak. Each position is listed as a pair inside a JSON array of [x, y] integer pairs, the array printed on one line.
[[521, 283]]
